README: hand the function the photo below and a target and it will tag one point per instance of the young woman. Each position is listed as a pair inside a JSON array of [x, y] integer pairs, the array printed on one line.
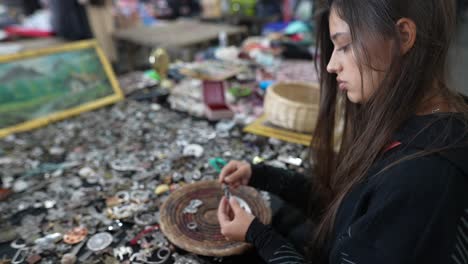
[[397, 190]]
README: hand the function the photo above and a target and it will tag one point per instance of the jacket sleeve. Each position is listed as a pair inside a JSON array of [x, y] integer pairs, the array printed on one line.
[[271, 246], [292, 187], [417, 213]]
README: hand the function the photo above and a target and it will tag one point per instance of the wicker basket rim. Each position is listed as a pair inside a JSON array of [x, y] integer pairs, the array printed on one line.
[[288, 101]]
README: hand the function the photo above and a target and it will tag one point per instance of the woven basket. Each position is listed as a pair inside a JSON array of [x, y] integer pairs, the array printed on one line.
[[293, 106], [207, 240]]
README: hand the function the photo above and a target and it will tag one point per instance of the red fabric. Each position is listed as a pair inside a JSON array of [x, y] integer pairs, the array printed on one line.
[[296, 37], [150, 229], [393, 145], [27, 32]]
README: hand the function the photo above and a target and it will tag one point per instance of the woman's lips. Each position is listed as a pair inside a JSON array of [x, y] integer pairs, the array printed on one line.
[[342, 86]]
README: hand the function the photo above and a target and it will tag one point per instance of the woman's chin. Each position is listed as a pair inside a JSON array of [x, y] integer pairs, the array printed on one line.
[[353, 97]]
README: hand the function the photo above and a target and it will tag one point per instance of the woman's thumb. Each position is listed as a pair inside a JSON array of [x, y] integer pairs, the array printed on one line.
[[234, 204]]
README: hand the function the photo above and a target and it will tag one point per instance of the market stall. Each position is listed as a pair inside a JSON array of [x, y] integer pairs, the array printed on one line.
[[134, 180]]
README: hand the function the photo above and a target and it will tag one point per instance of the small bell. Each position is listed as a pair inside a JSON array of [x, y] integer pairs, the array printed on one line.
[[160, 60]]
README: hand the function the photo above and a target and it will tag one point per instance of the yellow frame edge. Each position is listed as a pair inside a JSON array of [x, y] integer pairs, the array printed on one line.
[[258, 128]]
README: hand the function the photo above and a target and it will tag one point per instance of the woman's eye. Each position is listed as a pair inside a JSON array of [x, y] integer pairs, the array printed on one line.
[[344, 48]]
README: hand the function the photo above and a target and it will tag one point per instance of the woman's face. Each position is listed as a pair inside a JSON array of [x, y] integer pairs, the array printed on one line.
[[344, 63]]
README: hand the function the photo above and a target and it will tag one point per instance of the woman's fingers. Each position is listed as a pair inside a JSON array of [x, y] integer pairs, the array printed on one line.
[[234, 204], [234, 177], [223, 216], [227, 170], [232, 174]]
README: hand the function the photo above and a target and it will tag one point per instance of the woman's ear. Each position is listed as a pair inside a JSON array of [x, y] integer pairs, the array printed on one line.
[[407, 30]]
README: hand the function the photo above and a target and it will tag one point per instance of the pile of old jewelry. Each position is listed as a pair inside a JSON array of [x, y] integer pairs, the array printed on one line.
[[89, 189]]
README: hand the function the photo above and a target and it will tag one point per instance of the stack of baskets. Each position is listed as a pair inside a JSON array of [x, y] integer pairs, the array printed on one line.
[[293, 106]]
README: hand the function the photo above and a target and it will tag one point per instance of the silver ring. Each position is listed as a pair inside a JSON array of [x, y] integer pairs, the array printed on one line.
[[195, 203], [197, 175], [144, 219], [139, 196], [162, 258], [192, 226], [164, 253], [14, 244], [122, 211], [123, 195]]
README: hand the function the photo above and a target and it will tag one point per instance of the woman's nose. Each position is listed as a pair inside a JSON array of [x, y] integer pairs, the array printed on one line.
[[333, 65]]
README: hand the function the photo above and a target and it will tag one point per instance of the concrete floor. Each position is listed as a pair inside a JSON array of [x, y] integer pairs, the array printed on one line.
[[459, 58]]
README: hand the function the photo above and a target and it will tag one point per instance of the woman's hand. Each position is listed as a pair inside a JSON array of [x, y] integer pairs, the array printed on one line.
[[236, 173], [234, 220]]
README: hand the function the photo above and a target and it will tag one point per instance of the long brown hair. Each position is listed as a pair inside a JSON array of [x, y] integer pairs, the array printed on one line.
[[368, 127]]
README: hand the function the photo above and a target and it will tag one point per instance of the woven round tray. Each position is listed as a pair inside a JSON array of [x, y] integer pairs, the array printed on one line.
[[207, 239], [293, 106]]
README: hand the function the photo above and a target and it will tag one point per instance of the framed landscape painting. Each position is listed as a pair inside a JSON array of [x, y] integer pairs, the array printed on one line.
[[42, 86]]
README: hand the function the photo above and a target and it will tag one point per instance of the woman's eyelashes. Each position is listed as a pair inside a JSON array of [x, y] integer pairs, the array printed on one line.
[[344, 48]]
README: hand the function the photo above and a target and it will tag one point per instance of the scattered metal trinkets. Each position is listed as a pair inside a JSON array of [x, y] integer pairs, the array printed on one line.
[[121, 252], [139, 196], [290, 160], [196, 176], [34, 259], [145, 218], [135, 81], [48, 242], [193, 150], [109, 171], [20, 255], [7, 233], [161, 189], [187, 259], [18, 243], [4, 194], [163, 254], [70, 258]]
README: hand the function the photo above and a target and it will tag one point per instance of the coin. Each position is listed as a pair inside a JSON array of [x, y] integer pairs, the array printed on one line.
[[99, 241]]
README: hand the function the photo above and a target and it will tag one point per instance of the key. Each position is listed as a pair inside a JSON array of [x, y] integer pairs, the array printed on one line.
[[227, 193], [70, 258]]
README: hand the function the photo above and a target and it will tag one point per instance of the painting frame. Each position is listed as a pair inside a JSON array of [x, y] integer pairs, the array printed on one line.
[[115, 96]]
